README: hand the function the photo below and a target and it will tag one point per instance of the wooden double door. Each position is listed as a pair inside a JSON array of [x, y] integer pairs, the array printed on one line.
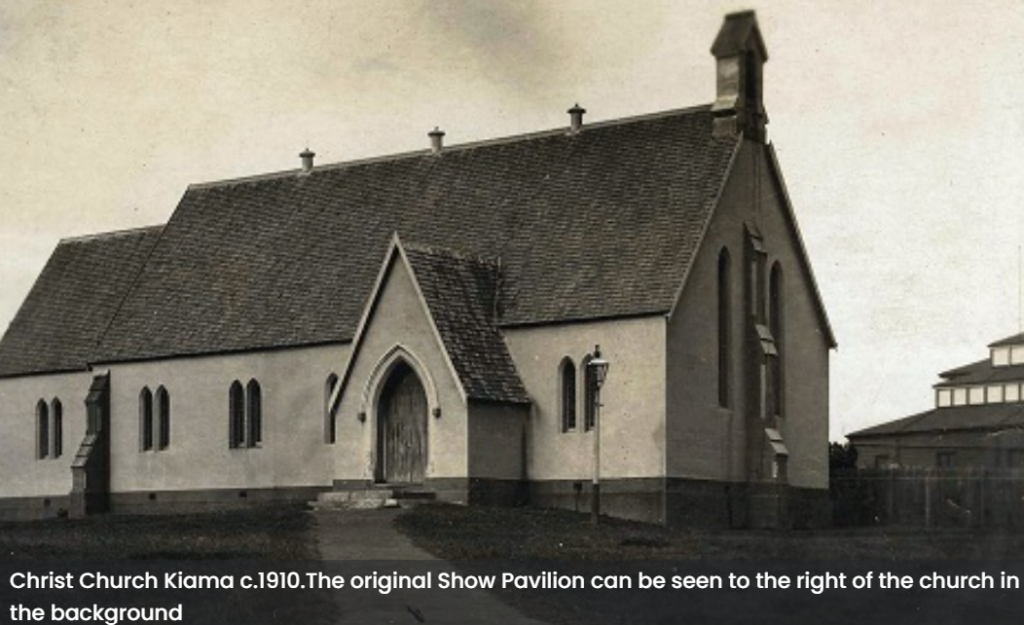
[[402, 428]]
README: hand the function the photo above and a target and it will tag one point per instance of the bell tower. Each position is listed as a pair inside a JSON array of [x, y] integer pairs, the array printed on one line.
[[740, 54]]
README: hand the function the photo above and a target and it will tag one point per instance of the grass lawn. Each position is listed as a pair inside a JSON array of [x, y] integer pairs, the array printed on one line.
[[475, 533], [524, 541], [265, 533]]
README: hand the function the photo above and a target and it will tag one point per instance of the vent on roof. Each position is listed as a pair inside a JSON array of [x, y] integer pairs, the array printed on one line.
[[436, 140], [576, 118], [307, 160]]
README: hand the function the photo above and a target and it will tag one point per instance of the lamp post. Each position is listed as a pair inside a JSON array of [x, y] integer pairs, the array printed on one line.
[[597, 368]]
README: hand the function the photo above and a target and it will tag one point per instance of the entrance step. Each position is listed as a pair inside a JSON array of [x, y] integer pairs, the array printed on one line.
[[378, 496]]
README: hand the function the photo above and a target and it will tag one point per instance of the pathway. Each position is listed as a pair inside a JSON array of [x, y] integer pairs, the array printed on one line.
[[368, 535]]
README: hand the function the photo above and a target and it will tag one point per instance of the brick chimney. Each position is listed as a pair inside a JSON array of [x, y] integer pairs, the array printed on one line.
[[740, 54]]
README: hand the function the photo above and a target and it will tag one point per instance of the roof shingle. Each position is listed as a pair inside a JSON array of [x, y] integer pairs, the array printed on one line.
[[602, 223], [61, 321], [461, 292]]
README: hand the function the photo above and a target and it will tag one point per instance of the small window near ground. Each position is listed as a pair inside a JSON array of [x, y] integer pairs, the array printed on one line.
[[945, 459]]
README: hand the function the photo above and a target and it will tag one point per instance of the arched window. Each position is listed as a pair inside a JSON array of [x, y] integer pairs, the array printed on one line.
[[57, 410], [146, 419], [330, 422], [163, 408], [42, 430], [236, 415], [589, 393], [254, 413], [568, 381], [776, 319], [724, 330]]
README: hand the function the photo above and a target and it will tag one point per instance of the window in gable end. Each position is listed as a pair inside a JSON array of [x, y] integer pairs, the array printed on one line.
[[724, 330]]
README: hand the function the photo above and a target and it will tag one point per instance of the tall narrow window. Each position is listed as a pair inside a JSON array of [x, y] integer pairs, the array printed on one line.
[[163, 408], [568, 379], [146, 419], [236, 415], [58, 428], [776, 364], [42, 430], [724, 330], [330, 422], [589, 394], [254, 413]]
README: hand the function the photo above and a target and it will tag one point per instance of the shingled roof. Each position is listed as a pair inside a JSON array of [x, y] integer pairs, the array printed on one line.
[[597, 224], [461, 294], [61, 321]]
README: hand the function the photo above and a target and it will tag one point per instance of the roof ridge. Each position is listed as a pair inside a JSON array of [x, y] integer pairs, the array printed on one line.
[[83, 238], [458, 147]]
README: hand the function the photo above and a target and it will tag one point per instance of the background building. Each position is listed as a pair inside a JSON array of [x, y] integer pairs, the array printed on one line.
[[978, 419]]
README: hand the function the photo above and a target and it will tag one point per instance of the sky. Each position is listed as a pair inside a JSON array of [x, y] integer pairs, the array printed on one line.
[[899, 127]]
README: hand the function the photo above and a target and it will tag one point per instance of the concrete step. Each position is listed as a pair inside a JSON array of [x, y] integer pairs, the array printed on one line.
[[378, 496]]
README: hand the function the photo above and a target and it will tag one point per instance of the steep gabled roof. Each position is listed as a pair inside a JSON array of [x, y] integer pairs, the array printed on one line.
[[986, 417], [597, 224], [61, 321], [461, 296]]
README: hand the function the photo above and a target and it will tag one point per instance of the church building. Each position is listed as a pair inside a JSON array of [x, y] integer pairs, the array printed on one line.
[[425, 323]]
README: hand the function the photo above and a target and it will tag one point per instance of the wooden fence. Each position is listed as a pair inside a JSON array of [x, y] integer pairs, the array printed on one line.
[[928, 497]]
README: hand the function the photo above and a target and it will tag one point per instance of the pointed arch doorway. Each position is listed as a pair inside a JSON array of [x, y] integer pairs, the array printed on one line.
[[402, 428]]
